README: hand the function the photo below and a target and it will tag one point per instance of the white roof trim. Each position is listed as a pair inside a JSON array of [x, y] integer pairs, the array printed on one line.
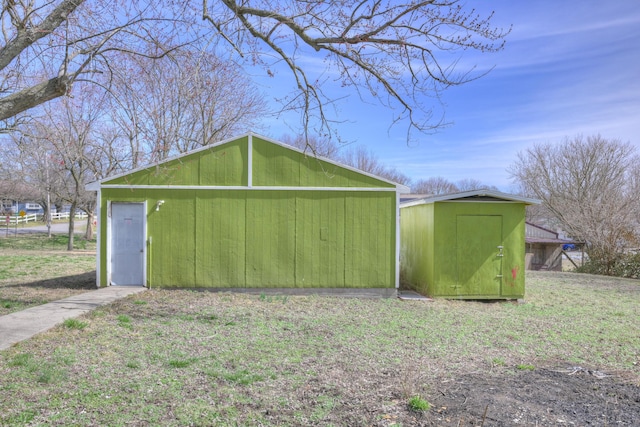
[[459, 197], [241, 187], [94, 186]]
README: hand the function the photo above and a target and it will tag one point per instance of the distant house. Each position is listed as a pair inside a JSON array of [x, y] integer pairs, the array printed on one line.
[[14, 206], [8, 206], [543, 248]]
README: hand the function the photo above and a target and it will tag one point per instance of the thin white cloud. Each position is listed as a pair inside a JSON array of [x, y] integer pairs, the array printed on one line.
[[569, 68]]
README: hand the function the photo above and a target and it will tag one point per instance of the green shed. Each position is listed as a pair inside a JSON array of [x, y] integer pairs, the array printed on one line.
[[250, 213], [467, 245]]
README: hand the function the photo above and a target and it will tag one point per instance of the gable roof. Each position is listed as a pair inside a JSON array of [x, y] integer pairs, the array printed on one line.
[[94, 186], [472, 196], [532, 229], [537, 234]]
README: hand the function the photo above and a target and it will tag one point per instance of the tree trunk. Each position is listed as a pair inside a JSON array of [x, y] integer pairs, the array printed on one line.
[[88, 234], [72, 219]]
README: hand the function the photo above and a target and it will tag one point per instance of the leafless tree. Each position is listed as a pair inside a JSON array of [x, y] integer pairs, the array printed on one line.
[[398, 52], [314, 145], [401, 53], [185, 100], [65, 149], [47, 45], [439, 185], [31, 169], [590, 187], [364, 159], [434, 186], [470, 184]]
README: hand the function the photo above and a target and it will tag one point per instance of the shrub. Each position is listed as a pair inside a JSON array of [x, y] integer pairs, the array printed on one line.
[[418, 404], [74, 324], [625, 265]]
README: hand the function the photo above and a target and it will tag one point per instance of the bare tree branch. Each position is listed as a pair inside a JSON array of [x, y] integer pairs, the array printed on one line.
[[401, 53], [397, 51], [588, 187], [27, 33], [49, 44], [19, 102]]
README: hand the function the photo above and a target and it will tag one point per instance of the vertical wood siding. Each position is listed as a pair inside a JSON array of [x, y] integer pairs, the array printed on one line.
[[219, 165], [274, 165], [261, 238], [320, 240], [430, 253], [270, 241], [417, 255], [370, 239], [220, 238], [267, 238], [172, 230]]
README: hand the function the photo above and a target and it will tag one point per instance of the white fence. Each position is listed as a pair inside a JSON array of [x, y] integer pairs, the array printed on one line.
[[17, 219]]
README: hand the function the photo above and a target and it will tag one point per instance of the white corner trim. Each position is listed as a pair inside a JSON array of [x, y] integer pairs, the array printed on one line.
[[98, 238], [398, 240], [250, 161]]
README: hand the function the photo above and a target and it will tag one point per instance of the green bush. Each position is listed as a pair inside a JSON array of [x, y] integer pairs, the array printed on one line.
[[418, 404], [625, 265]]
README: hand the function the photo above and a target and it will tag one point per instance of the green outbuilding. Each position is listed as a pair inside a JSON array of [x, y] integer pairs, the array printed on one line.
[[468, 245], [248, 214]]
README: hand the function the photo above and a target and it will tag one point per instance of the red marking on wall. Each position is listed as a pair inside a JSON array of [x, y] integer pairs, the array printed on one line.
[[514, 275]]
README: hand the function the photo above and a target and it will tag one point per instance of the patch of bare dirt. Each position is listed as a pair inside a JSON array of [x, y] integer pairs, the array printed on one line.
[[543, 397], [572, 396]]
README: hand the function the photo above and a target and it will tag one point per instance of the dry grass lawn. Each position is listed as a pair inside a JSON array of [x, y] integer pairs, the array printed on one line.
[[568, 356]]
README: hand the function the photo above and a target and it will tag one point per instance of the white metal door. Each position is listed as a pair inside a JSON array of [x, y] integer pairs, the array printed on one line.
[[127, 244]]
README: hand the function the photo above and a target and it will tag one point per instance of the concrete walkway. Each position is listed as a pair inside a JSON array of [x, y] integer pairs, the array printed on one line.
[[22, 325]]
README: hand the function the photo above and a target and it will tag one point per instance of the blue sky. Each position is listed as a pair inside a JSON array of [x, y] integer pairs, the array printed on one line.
[[569, 67]]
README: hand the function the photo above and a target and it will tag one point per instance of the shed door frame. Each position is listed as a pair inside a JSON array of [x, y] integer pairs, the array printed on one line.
[[110, 235], [486, 265]]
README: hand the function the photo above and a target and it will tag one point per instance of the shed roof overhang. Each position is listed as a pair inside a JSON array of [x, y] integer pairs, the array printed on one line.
[[549, 241], [472, 196]]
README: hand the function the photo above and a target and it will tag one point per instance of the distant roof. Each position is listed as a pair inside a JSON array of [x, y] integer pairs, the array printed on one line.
[[531, 224], [547, 240], [409, 197], [535, 233], [471, 196]]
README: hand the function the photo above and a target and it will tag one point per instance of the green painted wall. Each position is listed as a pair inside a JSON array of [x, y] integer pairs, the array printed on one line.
[[260, 238], [226, 164], [274, 165], [370, 239], [416, 248], [434, 238], [220, 242]]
